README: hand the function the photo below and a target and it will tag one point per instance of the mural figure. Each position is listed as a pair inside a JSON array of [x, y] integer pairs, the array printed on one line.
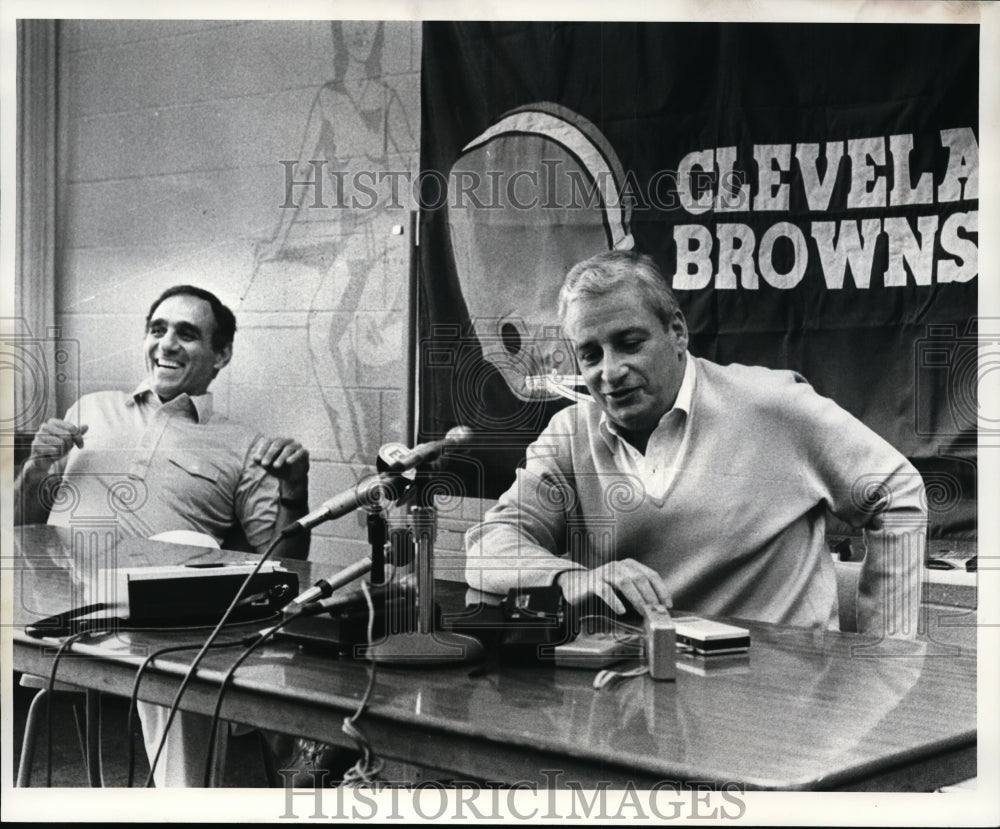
[[339, 255]]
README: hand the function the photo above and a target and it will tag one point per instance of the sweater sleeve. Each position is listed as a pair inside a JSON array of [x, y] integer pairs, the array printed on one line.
[[861, 477], [518, 542]]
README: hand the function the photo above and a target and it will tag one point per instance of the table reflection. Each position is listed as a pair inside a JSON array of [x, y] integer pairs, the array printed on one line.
[[803, 707]]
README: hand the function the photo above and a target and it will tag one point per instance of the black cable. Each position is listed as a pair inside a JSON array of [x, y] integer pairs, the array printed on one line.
[[134, 697], [89, 627], [63, 647], [260, 639], [204, 649], [165, 628], [365, 766]]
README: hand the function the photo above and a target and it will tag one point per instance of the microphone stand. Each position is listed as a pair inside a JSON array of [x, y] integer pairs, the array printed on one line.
[[378, 533], [425, 646]]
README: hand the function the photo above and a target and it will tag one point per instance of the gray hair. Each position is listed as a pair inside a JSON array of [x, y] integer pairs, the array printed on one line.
[[608, 271]]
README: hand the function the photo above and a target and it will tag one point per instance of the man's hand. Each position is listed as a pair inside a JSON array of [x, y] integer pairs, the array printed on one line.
[[288, 461], [639, 584], [54, 439]]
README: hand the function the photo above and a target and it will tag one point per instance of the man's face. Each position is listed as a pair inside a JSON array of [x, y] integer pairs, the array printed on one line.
[[178, 346], [631, 363]]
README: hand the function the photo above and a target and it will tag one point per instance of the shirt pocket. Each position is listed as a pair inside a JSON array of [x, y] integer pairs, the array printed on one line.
[[197, 466]]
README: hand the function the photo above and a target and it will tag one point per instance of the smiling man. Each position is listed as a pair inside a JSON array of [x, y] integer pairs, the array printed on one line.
[[160, 459], [160, 456], [185, 346], [687, 482]]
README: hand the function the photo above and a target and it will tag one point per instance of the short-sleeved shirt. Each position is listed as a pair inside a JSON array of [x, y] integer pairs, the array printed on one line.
[[150, 467]]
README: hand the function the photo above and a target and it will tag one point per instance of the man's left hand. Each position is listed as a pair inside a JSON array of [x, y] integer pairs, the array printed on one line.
[[288, 461]]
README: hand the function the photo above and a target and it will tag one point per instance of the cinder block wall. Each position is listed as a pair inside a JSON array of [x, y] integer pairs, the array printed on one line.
[[172, 136]]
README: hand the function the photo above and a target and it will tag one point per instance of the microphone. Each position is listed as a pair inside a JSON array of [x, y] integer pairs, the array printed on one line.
[[325, 587], [356, 598], [427, 452], [372, 488], [369, 490]]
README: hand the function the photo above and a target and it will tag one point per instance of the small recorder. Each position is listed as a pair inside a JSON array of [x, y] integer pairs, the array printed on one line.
[[661, 643]]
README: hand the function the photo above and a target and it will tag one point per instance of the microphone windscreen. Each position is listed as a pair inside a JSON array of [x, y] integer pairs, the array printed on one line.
[[389, 455]]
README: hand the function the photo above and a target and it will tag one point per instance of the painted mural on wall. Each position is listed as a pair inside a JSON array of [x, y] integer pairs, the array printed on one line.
[[336, 252]]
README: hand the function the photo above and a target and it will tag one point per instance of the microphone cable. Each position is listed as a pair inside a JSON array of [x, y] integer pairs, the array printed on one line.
[[368, 765], [192, 669], [134, 697], [255, 641], [111, 626]]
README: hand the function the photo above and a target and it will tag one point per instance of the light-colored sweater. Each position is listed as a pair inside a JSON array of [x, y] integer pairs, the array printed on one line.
[[741, 530]]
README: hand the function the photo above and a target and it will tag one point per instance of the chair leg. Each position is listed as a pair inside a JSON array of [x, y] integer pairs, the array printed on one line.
[[31, 727], [90, 744]]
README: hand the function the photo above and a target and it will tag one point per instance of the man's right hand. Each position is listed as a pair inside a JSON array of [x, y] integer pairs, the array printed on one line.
[[642, 586], [54, 440]]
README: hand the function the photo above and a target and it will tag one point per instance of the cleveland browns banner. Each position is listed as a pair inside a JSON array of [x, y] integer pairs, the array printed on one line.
[[810, 191]]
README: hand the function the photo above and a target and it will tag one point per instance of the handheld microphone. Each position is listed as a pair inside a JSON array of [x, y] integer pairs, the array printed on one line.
[[427, 452], [325, 587]]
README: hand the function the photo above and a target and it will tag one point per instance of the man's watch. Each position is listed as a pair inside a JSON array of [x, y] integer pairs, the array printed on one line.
[[294, 503]]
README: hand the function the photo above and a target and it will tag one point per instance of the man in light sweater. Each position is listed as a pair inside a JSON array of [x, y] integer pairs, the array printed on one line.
[[692, 483]]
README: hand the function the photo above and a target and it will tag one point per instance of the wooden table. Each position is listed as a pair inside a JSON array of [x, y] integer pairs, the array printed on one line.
[[807, 710]]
